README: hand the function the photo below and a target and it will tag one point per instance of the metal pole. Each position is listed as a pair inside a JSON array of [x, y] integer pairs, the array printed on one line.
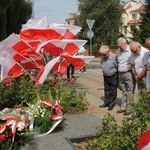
[[91, 49], [90, 46]]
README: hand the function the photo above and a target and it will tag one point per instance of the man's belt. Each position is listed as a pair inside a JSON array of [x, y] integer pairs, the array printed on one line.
[[122, 72]]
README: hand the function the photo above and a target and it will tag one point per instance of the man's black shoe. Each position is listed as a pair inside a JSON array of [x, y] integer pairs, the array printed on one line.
[[111, 107], [104, 105]]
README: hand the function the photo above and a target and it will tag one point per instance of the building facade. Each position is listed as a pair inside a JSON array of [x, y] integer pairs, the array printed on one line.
[[131, 18]]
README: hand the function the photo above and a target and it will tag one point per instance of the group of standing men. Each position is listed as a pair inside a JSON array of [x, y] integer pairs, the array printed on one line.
[[130, 66]]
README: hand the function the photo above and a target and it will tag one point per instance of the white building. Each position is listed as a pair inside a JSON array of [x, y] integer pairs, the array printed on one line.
[[132, 16]]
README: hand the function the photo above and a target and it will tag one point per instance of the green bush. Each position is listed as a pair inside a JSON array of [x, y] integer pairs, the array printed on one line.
[[16, 91], [23, 91], [112, 136]]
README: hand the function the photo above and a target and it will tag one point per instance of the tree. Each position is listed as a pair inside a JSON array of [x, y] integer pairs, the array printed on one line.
[[145, 27], [107, 16], [136, 33], [13, 14]]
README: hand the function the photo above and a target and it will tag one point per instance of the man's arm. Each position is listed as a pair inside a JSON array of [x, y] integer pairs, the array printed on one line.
[[143, 73]]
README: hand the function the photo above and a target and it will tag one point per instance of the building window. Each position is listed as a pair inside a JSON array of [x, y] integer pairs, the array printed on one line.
[[125, 29], [134, 16], [132, 28], [141, 15], [140, 27]]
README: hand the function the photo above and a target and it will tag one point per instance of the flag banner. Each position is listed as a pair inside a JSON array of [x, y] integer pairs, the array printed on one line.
[[34, 43], [43, 34], [55, 67], [70, 32], [15, 42], [19, 45], [29, 53], [54, 47], [35, 23], [147, 147], [63, 67], [40, 78], [12, 53], [144, 141], [33, 63], [1, 60], [73, 46], [10, 68], [78, 61]]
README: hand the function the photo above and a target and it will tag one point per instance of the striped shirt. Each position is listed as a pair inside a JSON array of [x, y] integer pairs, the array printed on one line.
[[109, 65]]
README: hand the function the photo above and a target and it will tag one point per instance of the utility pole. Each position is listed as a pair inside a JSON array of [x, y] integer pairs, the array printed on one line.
[[90, 33]]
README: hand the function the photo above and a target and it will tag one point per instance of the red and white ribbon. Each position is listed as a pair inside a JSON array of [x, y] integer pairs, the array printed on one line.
[[57, 116]]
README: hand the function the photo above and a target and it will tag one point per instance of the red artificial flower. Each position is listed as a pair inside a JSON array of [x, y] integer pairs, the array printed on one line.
[[57, 83], [8, 82], [32, 79], [72, 80], [2, 137], [7, 127], [55, 74], [52, 83], [10, 134], [37, 84]]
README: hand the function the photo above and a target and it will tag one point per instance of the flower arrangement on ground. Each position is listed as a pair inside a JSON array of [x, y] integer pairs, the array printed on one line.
[[45, 115], [34, 110]]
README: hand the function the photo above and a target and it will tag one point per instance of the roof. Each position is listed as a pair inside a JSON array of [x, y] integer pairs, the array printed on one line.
[[141, 9], [72, 17], [129, 6], [135, 21]]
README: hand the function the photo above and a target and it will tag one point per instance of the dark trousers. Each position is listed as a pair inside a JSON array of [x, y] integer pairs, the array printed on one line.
[[70, 71], [84, 69], [110, 89]]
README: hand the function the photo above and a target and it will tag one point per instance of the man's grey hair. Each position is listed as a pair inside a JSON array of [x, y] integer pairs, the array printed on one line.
[[122, 40], [148, 39], [104, 49], [134, 44]]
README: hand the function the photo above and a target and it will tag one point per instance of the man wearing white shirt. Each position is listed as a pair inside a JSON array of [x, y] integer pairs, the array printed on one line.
[[139, 59], [126, 80]]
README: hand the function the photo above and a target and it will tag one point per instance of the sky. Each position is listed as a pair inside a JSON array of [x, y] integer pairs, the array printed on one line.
[[56, 11]]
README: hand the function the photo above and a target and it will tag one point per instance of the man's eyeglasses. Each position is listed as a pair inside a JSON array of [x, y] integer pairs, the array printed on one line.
[[104, 55], [148, 47], [134, 50]]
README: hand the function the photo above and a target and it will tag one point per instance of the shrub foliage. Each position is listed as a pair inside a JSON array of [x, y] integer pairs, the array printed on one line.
[[112, 136], [23, 91]]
